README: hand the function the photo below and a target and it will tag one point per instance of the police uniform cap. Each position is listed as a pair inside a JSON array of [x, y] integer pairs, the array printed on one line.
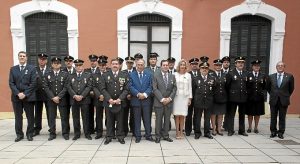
[[102, 61], [194, 61], [204, 65], [103, 57], [204, 58], [129, 59], [138, 56], [67, 58], [120, 60], [153, 55], [218, 62], [42, 55], [55, 59], [226, 58], [256, 62], [78, 62], [171, 60], [93, 57], [240, 58]]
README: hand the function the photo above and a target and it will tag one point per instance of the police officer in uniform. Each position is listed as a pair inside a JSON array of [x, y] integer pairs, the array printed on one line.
[[153, 63], [256, 86], [92, 70], [115, 90], [98, 101], [41, 98], [80, 85], [190, 118], [172, 61], [203, 85], [237, 79], [225, 70], [56, 87]]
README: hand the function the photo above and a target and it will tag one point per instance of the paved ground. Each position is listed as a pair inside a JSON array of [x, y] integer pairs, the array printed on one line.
[[257, 148]]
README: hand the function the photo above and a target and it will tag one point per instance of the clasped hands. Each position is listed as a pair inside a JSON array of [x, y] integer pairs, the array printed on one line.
[[112, 102]]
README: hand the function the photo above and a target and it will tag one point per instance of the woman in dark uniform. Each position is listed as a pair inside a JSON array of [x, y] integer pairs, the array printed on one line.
[[220, 98], [256, 98]]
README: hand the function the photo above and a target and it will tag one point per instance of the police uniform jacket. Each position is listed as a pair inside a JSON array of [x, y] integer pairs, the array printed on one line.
[[40, 92], [80, 86], [220, 91], [237, 86], [204, 91], [256, 87], [57, 86], [97, 88], [115, 87]]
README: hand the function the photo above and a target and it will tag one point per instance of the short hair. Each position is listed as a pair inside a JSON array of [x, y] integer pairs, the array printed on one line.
[[141, 60], [115, 59], [280, 62], [22, 52], [162, 61], [179, 63]]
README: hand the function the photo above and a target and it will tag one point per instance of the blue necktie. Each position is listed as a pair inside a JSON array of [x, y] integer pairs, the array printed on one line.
[[141, 77], [279, 80]]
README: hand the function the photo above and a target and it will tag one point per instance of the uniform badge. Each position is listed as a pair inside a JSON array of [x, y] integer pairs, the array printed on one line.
[[235, 77], [49, 77], [61, 78], [73, 80], [26, 72], [97, 79], [122, 82], [250, 78], [85, 80], [210, 88], [108, 77], [199, 81]]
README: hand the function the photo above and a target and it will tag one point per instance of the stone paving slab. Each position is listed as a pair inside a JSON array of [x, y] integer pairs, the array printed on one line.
[[256, 148]]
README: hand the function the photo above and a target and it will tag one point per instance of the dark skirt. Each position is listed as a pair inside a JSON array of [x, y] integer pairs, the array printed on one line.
[[219, 108], [255, 108]]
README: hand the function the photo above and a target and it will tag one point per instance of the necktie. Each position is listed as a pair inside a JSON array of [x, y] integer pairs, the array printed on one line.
[[153, 69], [195, 74], [22, 68], [171, 72], [42, 70], [129, 72], [141, 77], [219, 74], [70, 72], [93, 70], [279, 80], [78, 76], [240, 73], [204, 78], [165, 79], [255, 74], [115, 74], [225, 72], [56, 74]]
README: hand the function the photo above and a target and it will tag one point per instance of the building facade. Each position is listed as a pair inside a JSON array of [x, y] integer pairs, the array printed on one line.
[[265, 29]]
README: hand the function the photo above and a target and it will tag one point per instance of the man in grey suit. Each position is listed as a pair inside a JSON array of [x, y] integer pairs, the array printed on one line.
[[280, 86], [164, 89]]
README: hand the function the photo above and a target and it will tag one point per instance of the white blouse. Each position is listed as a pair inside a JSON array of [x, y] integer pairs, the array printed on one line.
[[184, 84]]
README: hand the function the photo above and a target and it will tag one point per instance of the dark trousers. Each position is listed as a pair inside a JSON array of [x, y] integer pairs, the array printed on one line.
[[76, 108], [99, 119], [231, 115], [64, 116], [125, 119], [112, 119], [225, 122], [278, 108], [139, 113], [190, 119], [91, 114], [38, 113], [198, 116], [162, 121], [28, 107]]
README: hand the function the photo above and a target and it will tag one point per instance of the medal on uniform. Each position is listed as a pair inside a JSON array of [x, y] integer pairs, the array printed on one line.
[[97, 79], [122, 81], [199, 81], [73, 80], [49, 77]]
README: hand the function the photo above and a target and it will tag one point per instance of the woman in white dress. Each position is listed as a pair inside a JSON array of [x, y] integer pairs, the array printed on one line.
[[183, 96]]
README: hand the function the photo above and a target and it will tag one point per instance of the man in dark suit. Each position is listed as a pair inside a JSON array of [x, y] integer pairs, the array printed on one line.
[[128, 109], [171, 62], [237, 79], [41, 97], [56, 87], [99, 96], [164, 89], [153, 63], [22, 82], [115, 90], [92, 70], [79, 88], [141, 89], [190, 118], [203, 86], [280, 86]]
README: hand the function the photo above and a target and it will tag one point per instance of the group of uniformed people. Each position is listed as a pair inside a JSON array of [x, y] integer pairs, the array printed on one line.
[[98, 89]]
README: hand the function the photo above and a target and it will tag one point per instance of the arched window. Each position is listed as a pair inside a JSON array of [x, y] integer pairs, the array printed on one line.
[[46, 32], [250, 37], [149, 33]]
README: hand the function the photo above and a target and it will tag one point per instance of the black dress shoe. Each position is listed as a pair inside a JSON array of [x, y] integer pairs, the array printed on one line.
[[208, 136], [273, 135], [138, 140], [88, 137], [219, 133], [168, 139], [66, 137], [29, 138], [243, 134], [197, 136], [149, 139], [36, 133], [214, 133], [98, 136], [230, 133], [52, 137], [255, 131], [157, 140], [19, 138], [187, 133], [280, 136], [107, 141], [76, 137], [249, 131], [122, 141]]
